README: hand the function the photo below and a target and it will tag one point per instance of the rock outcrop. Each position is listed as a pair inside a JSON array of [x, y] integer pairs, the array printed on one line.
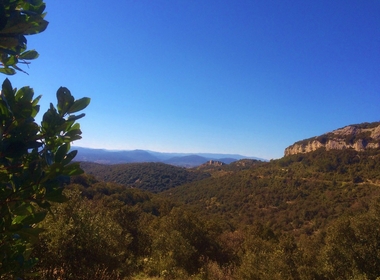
[[358, 137], [212, 163]]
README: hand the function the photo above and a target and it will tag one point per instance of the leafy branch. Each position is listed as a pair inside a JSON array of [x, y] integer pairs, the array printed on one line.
[[18, 19], [35, 162]]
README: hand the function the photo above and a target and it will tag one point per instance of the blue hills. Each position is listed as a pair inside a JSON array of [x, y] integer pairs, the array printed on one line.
[[133, 156]]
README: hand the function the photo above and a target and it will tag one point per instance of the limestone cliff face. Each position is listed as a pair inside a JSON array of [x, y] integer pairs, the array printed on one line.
[[358, 137]]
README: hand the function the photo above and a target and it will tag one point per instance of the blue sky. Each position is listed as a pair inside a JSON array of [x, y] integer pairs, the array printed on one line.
[[226, 76]]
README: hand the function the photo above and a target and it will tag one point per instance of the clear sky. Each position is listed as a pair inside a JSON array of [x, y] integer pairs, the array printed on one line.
[[216, 76]]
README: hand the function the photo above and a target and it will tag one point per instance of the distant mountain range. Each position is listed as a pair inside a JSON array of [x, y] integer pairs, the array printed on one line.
[[132, 156]]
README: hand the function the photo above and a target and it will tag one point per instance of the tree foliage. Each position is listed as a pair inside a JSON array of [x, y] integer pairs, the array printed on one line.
[[154, 177], [35, 159], [299, 193], [19, 18], [35, 162], [83, 240]]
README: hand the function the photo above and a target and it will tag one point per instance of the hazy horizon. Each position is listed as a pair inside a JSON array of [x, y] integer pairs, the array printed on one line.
[[167, 153]]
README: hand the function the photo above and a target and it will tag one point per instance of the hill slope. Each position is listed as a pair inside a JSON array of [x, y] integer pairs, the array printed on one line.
[[154, 177], [310, 215], [299, 193]]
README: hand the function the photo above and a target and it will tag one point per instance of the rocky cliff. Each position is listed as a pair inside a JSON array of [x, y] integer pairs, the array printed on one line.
[[212, 163], [359, 137]]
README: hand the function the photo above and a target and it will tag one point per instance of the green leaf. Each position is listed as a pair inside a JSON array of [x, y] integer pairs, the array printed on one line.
[[61, 152], [29, 219], [74, 118], [79, 105], [25, 94], [35, 218], [7, 71], [72, 138], [75, 126], [11, 60], [35, 110], [69, 157], [65, 100], [36, 100], [4, 109], [25, 25], [23, 209], [73, 132], [35, 6], [7, 92], [38, 26], [28, 55]]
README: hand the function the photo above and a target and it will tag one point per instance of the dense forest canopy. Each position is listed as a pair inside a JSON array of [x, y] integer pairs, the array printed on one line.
[[154, 177], [307, 216]]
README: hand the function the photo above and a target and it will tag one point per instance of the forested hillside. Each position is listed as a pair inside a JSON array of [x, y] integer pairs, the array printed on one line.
[[299, 193], [154, 177], [157, 177], [306, 216]]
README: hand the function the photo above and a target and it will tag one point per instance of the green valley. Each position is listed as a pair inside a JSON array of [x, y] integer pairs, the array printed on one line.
[[309, 215]]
